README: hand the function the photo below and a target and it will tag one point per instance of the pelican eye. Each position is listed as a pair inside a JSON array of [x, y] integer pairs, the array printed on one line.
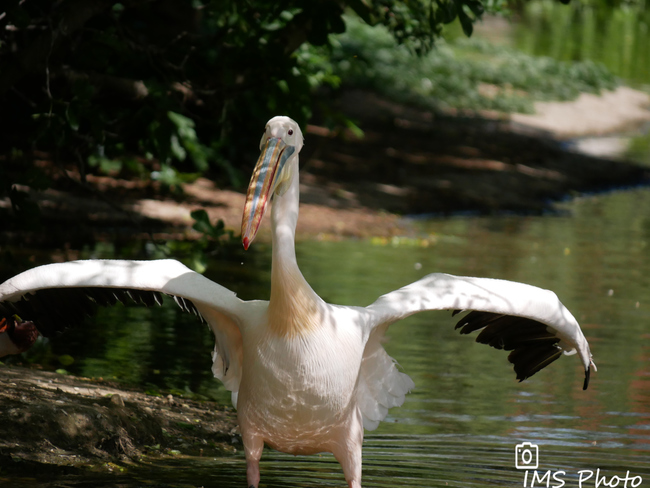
[[290, 132]]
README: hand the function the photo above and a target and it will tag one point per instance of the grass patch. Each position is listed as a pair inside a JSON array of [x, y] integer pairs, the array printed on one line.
[[464, 73]]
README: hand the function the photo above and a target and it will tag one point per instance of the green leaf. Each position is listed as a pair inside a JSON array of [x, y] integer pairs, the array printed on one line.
[[355, 129], [177, 150], [201, 221], [72, 119], [447, 11], [198, 262], [66, 359], [465, 22], [180, 121], [361, 9], [106, 165], [172, 178], [476, 7]]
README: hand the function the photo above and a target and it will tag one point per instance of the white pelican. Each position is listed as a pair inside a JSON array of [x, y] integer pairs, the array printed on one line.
[[306, 376]]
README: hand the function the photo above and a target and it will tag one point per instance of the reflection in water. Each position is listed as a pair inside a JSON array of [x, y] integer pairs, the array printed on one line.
[[459, 427]]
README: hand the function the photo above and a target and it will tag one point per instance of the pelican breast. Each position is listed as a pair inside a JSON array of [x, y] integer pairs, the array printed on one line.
[[303, 384]]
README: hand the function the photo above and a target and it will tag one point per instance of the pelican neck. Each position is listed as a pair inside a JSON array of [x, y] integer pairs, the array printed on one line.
[[291, 295]]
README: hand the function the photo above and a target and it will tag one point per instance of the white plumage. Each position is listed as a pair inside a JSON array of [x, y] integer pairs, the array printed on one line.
[[305, 376]]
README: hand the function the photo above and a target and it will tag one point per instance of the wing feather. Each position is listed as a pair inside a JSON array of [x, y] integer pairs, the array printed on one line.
[[57, 296], [529, 321]]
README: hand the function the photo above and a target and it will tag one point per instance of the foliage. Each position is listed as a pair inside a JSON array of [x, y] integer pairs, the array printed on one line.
[[210, 242], [168, 90], [465, 74]]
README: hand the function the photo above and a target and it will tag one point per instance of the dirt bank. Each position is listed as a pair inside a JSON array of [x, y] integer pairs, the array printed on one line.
[[62, 423], [590, 115]]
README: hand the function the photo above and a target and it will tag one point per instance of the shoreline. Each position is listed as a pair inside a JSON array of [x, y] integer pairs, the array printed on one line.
[[63, 424], [409, 162]]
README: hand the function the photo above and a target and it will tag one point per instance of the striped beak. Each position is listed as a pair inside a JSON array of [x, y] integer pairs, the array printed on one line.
[[275, 154]]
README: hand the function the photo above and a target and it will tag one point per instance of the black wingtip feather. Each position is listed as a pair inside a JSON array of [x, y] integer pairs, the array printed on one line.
[[54, 310], [479, 320], [529, 360], [532, 344], [587, 374]]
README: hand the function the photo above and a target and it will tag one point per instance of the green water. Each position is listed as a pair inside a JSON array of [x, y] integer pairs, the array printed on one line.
[[461, 424]]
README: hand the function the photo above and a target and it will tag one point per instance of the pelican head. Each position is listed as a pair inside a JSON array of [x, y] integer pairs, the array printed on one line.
[[281, 142]]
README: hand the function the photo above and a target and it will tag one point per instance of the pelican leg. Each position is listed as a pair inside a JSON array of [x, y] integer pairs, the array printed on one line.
[[350, 461], [348, 451], [253, 447]]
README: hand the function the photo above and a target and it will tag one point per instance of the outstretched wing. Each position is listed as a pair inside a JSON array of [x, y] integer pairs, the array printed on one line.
[[57, 296], [529, 321]]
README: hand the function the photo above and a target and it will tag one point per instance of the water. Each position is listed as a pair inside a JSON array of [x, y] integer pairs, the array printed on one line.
[[461, 424]]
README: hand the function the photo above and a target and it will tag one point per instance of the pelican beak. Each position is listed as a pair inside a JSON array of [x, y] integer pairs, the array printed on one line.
[[264, 181]]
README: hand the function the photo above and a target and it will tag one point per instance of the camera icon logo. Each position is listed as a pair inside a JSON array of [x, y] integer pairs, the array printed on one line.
[[526, 456]]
